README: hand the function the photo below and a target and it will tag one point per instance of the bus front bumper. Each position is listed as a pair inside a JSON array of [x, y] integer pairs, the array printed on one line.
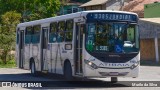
[[107, 72]]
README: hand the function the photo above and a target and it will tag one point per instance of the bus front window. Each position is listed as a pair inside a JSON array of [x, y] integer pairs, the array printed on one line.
[[115, 38]]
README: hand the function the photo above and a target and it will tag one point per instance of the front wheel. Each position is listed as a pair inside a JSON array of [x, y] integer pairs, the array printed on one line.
[[68, 71], [114, 79]]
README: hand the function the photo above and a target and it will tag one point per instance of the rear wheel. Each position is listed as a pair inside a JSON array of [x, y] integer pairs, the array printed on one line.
[[33, 69], [114, 79], [68, 71]]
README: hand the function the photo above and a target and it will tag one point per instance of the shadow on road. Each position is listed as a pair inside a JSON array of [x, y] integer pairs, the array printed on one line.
[[80, 83], [57, 81]]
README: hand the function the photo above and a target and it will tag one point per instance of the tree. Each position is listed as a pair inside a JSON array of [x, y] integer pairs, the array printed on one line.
[[41, 9], [7, 33], [12, 11], [29, 9]]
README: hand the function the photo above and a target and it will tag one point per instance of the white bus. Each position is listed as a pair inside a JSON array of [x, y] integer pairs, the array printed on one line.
[[98, 43]]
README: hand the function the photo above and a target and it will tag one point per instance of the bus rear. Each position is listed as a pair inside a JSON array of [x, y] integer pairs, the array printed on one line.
[[111, 47]]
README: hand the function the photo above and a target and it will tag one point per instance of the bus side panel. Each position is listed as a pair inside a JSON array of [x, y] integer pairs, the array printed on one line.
[[17, 55], [26, 56], [53, 52], [60, 58], [36, 55], [30, 51], [49, 61], [16, 48], [51, 57], [48, 58], [39, 59], [63, 55]]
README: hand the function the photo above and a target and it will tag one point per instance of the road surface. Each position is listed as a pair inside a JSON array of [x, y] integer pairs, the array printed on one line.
[[147, 73]]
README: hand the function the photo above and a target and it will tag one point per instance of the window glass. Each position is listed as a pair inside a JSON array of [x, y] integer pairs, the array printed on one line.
[[36, 34], [53, 33], [36, 29], [130, 33], [29, 30], [69, 30], [28, 35], [61, 29], [114, 37], [69, 11], [75, 10]]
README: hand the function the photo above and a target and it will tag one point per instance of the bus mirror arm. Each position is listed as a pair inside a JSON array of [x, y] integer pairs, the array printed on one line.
[[84, 18]]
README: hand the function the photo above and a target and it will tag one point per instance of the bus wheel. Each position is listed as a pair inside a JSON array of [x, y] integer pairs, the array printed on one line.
[[68, 71], [114, 79], [33, 69]]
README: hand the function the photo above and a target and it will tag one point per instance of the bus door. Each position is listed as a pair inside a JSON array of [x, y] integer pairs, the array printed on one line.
[[21, 48], [79, 49], [44, 44]]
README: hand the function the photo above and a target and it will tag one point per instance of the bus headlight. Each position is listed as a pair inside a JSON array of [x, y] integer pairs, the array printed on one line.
[[135, 65], [92, 65]]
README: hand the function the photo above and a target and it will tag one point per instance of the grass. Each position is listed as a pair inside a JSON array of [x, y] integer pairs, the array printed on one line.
[[10, 64]]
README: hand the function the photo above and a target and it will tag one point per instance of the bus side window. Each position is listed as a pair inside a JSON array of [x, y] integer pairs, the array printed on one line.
[[28, 35], [61, 29], [69, 31], [36, 34], [53, 32]]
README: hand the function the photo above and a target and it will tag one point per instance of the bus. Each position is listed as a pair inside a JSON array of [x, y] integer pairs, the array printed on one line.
[[86, 44]]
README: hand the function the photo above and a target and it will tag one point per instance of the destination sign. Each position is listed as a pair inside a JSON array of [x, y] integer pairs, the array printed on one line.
[[91, 17]]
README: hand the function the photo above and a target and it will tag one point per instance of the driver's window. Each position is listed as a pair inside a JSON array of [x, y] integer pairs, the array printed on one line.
[[131, 33]]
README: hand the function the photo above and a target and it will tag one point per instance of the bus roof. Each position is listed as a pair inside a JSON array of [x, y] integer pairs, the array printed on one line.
[[67, 17]]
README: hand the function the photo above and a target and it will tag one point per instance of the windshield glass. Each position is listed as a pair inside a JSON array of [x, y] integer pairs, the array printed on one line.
[[112, 37]]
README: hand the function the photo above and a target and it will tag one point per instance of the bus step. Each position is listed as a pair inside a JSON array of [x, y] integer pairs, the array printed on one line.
[[45, 71], [79, 74]]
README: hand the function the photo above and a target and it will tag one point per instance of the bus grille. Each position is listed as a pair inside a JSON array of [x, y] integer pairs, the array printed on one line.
[[113, 73]]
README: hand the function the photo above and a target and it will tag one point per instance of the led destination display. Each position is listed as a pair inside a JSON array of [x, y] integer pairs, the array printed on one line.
[[91, 17]]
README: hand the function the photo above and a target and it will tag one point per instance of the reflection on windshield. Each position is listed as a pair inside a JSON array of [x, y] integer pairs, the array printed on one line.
[[115, 37]]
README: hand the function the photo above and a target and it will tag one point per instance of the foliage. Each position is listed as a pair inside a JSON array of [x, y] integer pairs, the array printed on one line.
[[31, 9], [7, 33], [9, 64], [13, 12]]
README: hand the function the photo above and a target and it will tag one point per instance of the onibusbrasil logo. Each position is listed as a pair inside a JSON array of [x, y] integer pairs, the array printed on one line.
[[20, 84]]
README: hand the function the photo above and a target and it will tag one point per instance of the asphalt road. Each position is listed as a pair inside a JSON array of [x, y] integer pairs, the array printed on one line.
[[147, 73]]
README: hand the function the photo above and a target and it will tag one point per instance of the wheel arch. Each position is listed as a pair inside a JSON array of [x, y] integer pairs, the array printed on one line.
[[65, 62]]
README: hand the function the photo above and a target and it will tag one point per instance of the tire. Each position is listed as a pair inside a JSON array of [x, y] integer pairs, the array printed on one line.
[[68, 72], [114, 79], [33, 69]]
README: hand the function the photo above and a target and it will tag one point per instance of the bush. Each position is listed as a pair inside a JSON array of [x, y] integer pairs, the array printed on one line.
[[10, 62]]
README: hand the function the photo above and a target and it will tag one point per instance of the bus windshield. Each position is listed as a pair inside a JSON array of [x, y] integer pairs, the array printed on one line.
[[112, 37]]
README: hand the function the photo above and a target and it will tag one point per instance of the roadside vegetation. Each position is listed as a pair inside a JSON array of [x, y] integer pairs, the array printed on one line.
[[13, 12], [10, 63]]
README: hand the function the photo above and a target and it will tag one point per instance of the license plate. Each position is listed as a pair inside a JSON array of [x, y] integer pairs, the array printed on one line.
[[113, 73]]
